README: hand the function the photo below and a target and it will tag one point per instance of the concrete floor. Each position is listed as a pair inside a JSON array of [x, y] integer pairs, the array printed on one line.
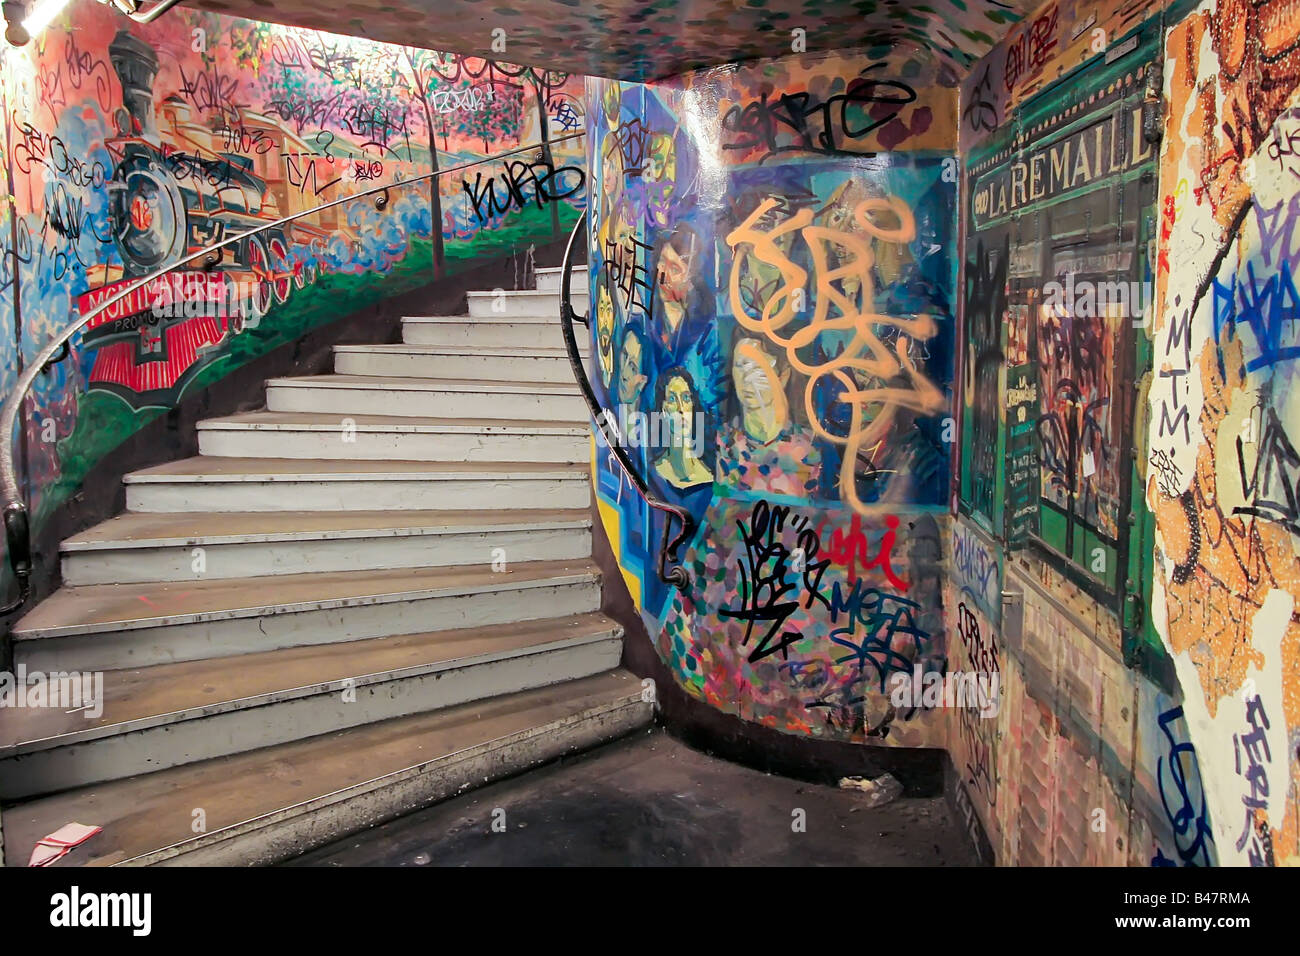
[[649, 800]]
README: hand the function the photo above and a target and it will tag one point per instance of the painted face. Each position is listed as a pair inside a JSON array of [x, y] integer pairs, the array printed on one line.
[[674, 276], [839, 217], [754, 376], [604, 320], [610, 174], [679, 407], [630, 378], [661, 159]]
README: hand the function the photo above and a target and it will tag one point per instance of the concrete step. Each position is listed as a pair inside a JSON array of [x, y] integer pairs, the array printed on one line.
[[428, 397], [114, 626], [508, 303], [497, 363], [549, 278], [169, 715], [187, 546], [522, 302], [386, 437], [217, 484], [273, 803], [459, 331]]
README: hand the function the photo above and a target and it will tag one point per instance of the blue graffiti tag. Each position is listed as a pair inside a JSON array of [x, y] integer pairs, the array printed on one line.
[[1268, 308], [1191, 824]]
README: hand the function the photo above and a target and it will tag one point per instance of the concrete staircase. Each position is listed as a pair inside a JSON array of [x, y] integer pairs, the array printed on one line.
[[373, 594]]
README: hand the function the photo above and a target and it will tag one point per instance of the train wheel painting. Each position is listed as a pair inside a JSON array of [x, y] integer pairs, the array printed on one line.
[[284, 271], [232, 323], [148, 211], [259, 263]]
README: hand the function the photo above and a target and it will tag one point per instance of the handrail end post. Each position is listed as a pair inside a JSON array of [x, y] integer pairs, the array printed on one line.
[[19, 545]]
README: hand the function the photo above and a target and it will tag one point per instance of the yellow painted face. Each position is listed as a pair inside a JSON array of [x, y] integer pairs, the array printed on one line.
[[611, 173], [674, 276], [661, 163], [756, 380], [679, 405], [612, 101], [604, 319], [629, 369]]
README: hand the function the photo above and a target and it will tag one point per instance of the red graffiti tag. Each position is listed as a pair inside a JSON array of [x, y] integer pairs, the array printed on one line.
[[846, 549], [1166, 230]]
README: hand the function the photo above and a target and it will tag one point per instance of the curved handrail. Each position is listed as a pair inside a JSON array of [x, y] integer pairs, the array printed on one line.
[[16, 522], [131, 8], [677, 575]]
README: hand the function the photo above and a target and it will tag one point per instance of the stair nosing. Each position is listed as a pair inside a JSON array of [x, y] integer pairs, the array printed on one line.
[[547, 352], [563, 471], [561, 577], [608, 630], [398, 424], [361, 788], [490, 294], [494, 319], [74, 546], [372, 383]]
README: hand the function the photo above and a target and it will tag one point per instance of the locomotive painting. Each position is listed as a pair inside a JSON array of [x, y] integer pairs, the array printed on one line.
[[177, 187]]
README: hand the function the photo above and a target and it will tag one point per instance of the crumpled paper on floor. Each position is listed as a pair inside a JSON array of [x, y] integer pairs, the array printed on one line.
[[883, 789], [60, 843]]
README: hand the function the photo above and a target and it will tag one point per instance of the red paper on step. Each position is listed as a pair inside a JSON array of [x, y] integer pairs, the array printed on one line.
[[59, 843]]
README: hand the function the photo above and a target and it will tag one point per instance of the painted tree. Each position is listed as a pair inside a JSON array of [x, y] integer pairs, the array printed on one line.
[[511, 84], [377, 95]]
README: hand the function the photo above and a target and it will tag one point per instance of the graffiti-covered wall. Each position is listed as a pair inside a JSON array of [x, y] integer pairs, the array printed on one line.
[[1122, 547], [1221, 472], [129, 146], [774, 280]]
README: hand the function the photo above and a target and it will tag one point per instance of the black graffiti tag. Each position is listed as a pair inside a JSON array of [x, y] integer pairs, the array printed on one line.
[[769, 595], [800, 122]]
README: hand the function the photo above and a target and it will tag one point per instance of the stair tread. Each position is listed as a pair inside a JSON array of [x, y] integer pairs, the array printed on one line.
[[518, 293], [142, 529], [90, 608], [499, 319], [493, 351], [330, 421], [203, 467], [422, 384], [163, 693], [152, 811]]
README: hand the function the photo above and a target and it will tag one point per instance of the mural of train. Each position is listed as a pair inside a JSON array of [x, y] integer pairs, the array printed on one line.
[[177, 187]]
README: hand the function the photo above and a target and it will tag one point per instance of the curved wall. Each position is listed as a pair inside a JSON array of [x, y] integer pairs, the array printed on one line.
[[773, 257]]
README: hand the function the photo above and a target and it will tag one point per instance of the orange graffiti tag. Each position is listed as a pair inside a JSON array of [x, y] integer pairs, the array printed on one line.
[[844, 295]]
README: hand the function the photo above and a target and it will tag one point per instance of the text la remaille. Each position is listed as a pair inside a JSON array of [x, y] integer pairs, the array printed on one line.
[[1057, 168]]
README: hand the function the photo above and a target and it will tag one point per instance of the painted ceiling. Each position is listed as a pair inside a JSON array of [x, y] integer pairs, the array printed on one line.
[[640, 41]]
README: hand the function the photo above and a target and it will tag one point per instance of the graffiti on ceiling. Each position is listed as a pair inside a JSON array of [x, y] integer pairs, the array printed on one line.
[[639, 41]]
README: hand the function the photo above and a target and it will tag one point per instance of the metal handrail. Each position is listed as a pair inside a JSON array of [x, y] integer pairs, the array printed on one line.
[[16, 521], [677, 575], [131, 8]]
